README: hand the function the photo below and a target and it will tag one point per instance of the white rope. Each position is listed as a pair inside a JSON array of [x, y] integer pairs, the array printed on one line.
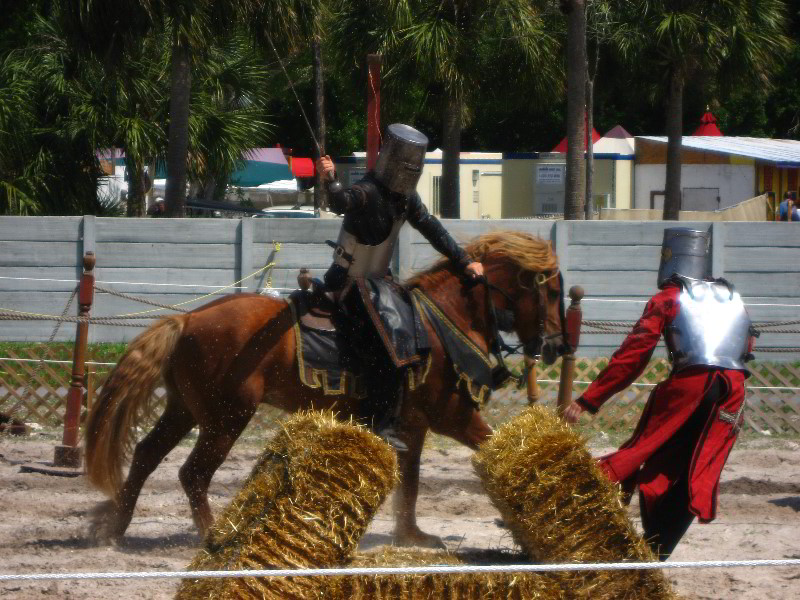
[[749, 387], [53, 361], [192, 285], [421, 570], [629, 301], [239, 287]]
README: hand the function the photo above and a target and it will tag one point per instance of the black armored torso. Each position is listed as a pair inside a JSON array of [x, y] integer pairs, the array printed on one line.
[[372, 215]]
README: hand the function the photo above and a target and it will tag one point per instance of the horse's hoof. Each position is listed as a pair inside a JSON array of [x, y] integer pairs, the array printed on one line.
[[104, 529], [102, 535], [419, 539]]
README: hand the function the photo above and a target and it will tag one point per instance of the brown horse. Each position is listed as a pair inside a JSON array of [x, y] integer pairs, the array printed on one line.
[[219, 362]]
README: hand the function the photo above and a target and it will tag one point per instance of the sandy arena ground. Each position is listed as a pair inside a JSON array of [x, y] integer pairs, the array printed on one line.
[[44, 518]]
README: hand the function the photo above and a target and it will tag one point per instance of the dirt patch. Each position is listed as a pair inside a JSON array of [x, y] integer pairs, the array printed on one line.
[[44, 520]]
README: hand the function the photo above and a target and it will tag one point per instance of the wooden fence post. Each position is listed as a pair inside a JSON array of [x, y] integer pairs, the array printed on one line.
[[574, 317], [533, 385], [69, 454]]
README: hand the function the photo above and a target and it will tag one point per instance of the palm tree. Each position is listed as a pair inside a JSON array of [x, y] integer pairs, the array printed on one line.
[[47, 161], [575, 11], [733, 39], [228, 115], [59, 105], [445, 47], [110, 28]]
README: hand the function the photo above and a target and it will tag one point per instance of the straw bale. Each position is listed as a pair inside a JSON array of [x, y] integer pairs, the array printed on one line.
[[469, 586], [560, 507], [306, 503]]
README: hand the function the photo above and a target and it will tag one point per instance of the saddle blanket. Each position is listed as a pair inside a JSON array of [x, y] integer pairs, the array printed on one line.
[[324, 362]]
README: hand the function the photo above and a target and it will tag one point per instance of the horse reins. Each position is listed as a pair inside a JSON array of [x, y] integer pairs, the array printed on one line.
[[498, 345]]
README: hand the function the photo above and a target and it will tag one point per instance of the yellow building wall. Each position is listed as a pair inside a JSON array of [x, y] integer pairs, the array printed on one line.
[[623, 182], [519, 194], [517, 187], [603, 178], [491, 196]]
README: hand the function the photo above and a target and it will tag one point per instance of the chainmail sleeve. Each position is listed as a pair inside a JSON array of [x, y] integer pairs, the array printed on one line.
[[342, 200], [430, 227]]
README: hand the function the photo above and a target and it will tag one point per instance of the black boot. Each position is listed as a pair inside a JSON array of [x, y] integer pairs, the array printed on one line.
[[384, 421]]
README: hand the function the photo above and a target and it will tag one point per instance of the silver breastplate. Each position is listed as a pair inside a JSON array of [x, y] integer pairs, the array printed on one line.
[[712, 328], [363, 260]]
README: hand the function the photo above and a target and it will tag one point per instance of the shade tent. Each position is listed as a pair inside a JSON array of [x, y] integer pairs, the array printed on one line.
[[302, 167], [562, 145], [708, 126], [262, 165], [617, 141]]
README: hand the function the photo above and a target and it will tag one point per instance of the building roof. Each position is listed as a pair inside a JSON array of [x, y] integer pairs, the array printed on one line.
[[781, 153], [616, 141], [708, 125]]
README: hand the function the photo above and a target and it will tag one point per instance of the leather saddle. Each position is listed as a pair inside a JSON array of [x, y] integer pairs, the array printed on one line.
[[314, 308]]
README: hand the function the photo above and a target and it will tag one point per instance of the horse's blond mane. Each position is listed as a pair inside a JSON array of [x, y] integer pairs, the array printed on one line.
[[529, 252]]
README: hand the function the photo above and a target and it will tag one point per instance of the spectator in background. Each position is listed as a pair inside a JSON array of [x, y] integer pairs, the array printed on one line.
[[789, 205], [157, 209]]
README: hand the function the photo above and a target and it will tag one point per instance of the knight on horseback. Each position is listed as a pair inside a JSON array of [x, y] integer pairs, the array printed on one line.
[[375, 317]]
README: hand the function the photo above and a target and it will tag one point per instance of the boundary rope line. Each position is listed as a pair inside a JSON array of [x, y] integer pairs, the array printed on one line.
[[52, 361], [193, 285], [632, 301], [421, 570]]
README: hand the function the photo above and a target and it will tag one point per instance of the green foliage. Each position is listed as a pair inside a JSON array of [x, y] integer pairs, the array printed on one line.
[[78, 76]]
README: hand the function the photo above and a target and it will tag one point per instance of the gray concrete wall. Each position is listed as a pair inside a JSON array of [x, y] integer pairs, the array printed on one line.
[[178, 260]]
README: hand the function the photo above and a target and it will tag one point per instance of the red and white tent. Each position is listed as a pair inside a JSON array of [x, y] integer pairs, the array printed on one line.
[[708, 125]]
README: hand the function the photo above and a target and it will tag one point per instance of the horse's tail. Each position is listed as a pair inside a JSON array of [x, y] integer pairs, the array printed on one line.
[[125, 393]]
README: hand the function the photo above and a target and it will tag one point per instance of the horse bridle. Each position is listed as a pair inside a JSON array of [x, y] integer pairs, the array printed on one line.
[[504, 320]]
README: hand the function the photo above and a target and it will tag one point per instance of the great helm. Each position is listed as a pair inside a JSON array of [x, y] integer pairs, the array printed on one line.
[[399, 163], [684, 252]]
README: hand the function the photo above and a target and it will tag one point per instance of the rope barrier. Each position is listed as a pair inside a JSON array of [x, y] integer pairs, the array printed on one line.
[[9, 314], [420, 570], [631, 301], [53, 361], [637, 384], [111, 292], [147, 283]]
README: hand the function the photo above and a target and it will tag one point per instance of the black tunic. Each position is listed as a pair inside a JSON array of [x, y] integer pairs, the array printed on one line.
[[370, 211]]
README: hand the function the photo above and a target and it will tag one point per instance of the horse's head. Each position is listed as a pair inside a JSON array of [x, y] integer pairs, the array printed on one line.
[[539, 314], [525, 269]]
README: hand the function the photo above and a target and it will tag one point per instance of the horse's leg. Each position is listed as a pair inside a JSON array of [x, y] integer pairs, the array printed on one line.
[[210, 451], [406, 531], [170, 429], [471, 431]]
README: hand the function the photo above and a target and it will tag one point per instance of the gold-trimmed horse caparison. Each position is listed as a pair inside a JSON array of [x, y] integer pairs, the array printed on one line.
[[220, 361]]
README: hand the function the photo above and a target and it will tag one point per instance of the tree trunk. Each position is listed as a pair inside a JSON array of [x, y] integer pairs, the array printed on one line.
[[320, 199], [450, 199], [589, 204], [576, 109], [672, 188], [209, 189], [135, 197], [178, 143]]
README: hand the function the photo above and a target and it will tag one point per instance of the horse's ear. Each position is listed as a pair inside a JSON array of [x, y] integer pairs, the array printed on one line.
[[553, 245]]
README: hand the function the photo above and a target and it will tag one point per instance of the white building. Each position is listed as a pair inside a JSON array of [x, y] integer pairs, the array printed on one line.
[[716, 172]]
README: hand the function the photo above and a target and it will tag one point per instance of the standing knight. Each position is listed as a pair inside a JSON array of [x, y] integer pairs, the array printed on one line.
[[691, 420], [376, 318]]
